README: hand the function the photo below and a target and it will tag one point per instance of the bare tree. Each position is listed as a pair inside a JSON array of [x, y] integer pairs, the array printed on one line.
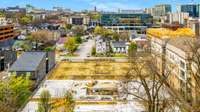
[[42, 36], [142, 84], [189, 100]]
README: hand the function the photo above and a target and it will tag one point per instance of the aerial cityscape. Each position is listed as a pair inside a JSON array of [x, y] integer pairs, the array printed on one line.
[[100, 56]]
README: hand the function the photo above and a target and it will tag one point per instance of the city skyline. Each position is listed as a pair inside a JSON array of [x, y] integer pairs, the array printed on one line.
[[106, 5]]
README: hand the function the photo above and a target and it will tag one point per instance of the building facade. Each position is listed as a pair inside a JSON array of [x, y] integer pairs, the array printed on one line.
[[192, 9], [126, 21], [36, 64], [120, 46], [172, 55], [178, 17], [159, 10]]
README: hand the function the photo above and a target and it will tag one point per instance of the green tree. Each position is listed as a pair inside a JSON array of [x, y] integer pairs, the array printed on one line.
[[45, 101], [69, 102], [115, 36], [68, 26], [93, 51], [94, 16], [78, 39], [98, 30], [25, 20], [132, 49], [71, 45], [14, 92]]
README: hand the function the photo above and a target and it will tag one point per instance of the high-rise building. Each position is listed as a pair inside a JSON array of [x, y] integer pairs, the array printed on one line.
[[162, 10], [159, 10], [192, 9]]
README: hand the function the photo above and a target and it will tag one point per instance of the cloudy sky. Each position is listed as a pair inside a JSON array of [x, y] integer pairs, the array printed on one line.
[[89, 4]]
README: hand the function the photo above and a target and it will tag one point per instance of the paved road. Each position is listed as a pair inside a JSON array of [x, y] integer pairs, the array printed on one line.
[[85, 48]]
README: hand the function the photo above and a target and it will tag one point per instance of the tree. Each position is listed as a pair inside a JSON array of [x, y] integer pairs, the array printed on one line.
[[25, 20], [78, 39], [42, 36], [78, 30], [14, 92], [132, 49], [45, 101], [69, 102], [68, 26], [124, 36], [142, 84], [188, 99], [71, 45], [98, 30], [93, 51], [95, 16], [116, 36]]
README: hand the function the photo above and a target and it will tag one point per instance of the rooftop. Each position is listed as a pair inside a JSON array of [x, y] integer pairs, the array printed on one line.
[[28, 61], [168, 33], [184, 43], [119, 44]]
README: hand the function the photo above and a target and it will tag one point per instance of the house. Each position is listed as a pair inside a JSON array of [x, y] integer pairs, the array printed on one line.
[[140, 40], [102, 45], [37, 64], [119, 46]]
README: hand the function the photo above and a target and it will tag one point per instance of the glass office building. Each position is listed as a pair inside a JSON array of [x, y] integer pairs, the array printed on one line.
[[126, 21], [192, 9], [123, 19]]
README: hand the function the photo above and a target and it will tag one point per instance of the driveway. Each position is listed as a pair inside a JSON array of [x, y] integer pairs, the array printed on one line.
[[85, 48]]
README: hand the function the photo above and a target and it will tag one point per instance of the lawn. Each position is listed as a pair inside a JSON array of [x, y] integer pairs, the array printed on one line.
[[89, 70]]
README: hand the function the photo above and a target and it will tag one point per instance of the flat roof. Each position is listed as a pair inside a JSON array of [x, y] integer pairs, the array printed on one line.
[[28, 61], [168, 33]]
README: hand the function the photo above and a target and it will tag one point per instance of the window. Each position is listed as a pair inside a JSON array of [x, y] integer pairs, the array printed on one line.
[[182, 73], [182, 64]]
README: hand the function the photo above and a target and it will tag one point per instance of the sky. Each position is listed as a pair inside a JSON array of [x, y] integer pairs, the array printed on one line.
[[106, 5]]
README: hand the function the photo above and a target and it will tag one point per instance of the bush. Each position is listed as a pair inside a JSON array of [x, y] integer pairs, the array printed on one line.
[[78, 39]]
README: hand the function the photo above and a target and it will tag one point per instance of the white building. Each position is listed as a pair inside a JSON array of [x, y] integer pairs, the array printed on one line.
[[102, 45], [120, 46], [179, 17]]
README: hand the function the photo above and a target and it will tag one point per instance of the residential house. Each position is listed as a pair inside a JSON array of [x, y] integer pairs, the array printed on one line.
[[102, 45], [37, 64], [119, 46]]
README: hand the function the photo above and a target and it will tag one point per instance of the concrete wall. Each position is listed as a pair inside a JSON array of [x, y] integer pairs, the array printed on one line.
[[51, 58]]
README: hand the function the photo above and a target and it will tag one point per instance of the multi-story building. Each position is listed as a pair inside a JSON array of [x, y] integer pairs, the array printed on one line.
[[162, 9], [78, 19], [159, 10], [192, 9], [7, 56], [7, 33], [126, 21], [178, 17], [172, 54]]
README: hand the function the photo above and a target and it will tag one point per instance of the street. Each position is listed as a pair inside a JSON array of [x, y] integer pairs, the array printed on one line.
[[85, 48]]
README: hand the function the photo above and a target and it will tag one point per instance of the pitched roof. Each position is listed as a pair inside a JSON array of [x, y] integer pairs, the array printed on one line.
[[183, 43], [28, 61], [119, 44]]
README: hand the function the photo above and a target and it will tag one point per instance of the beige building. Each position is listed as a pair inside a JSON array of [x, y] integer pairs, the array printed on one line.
[[76, 19], [172, 51], [179, 17]]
